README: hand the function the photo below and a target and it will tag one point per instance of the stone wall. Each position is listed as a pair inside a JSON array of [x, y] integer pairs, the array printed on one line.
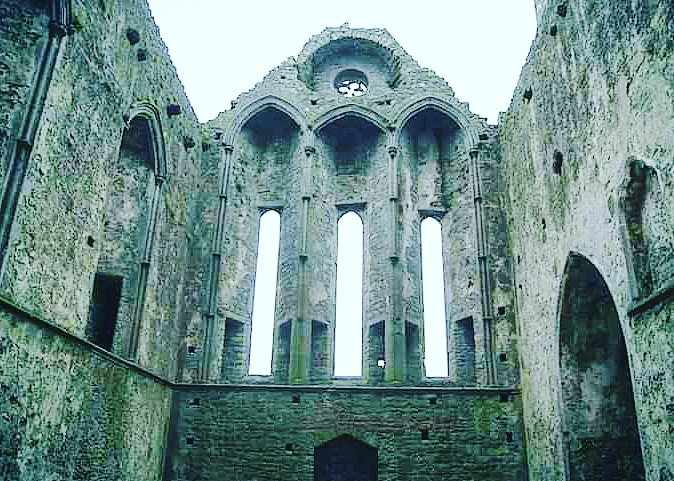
[[248, 432], [112, 62], [70, 411], [587, 145]]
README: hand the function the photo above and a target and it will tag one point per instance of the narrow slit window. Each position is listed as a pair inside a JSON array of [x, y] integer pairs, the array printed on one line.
[[433, 289], [103, 309], [264, 297], [349, 309]]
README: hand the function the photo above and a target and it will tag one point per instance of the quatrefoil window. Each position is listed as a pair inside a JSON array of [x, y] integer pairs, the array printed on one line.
[[351, 83]]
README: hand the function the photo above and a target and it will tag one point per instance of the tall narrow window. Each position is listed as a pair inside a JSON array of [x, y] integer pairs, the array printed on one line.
[[349, 311], [433, 288], [264, 298]]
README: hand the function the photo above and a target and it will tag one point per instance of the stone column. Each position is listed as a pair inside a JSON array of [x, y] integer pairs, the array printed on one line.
[[300, 333], [485, 293], [210, 317], [394, 326], [144, 270]]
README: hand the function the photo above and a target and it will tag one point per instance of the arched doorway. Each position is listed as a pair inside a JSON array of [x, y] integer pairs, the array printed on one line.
[[345, 458], [600, 434]]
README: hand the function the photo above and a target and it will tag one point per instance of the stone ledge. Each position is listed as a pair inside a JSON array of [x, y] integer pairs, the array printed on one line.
[[82, 343], [658, 297]]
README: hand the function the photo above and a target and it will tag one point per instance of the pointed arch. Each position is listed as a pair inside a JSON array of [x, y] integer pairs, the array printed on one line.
[[600, 435], [150, 114], [345, 458], [254, 108], [461, 116], [358, 111]]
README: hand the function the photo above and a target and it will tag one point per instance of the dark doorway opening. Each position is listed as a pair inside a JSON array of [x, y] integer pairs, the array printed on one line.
[[600, 438], [345, 458]]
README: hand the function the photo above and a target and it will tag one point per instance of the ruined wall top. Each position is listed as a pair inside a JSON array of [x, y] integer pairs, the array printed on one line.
[[389, 86]]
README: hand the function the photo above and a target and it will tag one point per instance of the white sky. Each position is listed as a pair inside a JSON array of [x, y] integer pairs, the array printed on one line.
[[223, 48]]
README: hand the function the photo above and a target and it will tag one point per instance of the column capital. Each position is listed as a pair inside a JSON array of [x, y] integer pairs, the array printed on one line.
[[393, 150]]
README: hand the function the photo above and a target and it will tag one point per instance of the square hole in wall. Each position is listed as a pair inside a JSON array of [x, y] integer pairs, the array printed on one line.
[[296, 399], [424, 434], [289, 448], [503, 357], [509, 437], [501, 310], [504, 398], [433, 401]]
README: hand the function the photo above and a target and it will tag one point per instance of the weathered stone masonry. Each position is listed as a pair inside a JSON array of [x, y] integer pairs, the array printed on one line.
[[128, 245]]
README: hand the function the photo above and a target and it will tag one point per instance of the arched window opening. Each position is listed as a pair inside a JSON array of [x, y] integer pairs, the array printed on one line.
[[600, 434], [433, 289], [264, 297], [349, 299], [118, 290]]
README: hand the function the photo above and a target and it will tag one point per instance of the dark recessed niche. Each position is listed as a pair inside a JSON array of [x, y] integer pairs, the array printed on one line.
[[296, 399], [483, 137], [528, 93], [503, 357], [501, 310], [196, 402], [141, 55], [132, 36], [314, 101], [424, 434], [543, 223], [173, 110], [289, 448], [90, 241], [189, 440], [509, 437], [553, 31], [191, 349], [188, 142], [433, 401], [562, 10], [519, 259], [283, 77], [504, 398], [557, 160]]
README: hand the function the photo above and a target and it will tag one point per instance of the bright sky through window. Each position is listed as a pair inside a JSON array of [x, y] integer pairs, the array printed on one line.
[[264, 301], [349, 312], [433, 288]]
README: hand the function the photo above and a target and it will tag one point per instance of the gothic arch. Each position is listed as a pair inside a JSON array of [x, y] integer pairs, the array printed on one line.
[[150, 114], [345, 458], [600, 437], [435, 103], [254, 108], [358, 111]]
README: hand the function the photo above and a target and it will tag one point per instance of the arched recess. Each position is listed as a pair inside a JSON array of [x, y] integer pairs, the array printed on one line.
[[345, 458], [263, 163], [132, 204], [251, 110], [431, 141], [352, 139], [600, 434], [349, 297]]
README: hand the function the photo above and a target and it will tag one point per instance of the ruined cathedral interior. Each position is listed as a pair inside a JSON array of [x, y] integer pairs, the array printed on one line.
[[129, 246]]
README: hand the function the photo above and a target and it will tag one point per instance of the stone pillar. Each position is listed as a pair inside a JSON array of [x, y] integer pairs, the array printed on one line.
[[300, 334], [485, 293], [207, 372], [144, 270], [394, 326]]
